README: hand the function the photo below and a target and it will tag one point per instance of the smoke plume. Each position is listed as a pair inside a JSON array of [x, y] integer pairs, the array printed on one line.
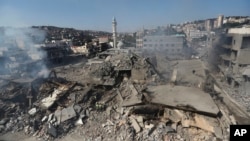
[[20, 52]]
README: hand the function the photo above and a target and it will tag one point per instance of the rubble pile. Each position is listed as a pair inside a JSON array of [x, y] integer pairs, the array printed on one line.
[[240, 95], [119, 97]]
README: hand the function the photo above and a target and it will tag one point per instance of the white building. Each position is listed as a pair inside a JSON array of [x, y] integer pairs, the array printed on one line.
[[195, 34], [220, 21], [168, 44], [139, 38]]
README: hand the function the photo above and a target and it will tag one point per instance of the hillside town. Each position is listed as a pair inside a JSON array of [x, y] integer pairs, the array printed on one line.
[[180, 82]]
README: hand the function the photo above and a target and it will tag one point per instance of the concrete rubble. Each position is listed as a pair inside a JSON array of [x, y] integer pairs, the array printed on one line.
[[116, 96], [183, 98]]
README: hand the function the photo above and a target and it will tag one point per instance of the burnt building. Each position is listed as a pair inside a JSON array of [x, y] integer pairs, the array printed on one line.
[[55, 52]]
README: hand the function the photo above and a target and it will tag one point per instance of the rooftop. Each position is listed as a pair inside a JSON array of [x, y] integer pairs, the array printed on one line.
[[243, 30]]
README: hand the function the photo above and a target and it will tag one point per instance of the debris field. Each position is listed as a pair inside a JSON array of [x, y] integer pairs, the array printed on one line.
[[118, 95]]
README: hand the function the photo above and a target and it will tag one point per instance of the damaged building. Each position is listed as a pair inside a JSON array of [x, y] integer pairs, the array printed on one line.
[[118, 95], [122, 94], [235, 54]]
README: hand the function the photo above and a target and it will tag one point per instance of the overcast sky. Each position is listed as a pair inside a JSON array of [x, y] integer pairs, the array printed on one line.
[[131, 15]]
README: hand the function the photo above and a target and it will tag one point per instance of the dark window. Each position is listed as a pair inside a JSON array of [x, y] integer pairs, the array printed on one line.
[[145, 40], [172, 45]]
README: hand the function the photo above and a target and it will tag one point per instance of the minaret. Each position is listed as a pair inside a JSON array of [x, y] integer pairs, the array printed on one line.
[[114, 32]]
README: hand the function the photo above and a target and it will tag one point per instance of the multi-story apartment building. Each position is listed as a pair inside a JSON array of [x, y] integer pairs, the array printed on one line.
[[195, 34], [169, 44], [235, 56], [139, 38]]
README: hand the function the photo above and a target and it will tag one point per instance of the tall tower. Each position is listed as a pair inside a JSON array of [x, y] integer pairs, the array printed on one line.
[[114, 23], [220, 21]]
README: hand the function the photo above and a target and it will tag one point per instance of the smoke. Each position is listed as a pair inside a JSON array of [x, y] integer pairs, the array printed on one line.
[[20, 52]]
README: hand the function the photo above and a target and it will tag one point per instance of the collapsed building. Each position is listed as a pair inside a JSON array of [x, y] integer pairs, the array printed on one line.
[[115, 94], [119, 95], [92, 48]]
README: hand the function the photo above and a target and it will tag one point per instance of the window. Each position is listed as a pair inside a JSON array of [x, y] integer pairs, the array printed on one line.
[[178, 50], [145, 45], [166, 45], [160, 40], [161, 45], [172, 50], [234, 42], [145, 40], [172, 45], [150, 45], [155, 45]]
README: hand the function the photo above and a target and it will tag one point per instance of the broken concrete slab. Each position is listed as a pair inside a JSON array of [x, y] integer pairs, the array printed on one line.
[[66, 113], [174, 115], [135, 125], [32, 111], [134, 97], [83, 114], [44, 118], [72, 98], [217, 89], [79, 121], [52, 130], [174, 126], [3, 121], [204, 122], [108, 110], [57, 93], [50, 117], [149, 126], [169, 129], [185, 98], [58, 115], [77, 108], [139, 119]]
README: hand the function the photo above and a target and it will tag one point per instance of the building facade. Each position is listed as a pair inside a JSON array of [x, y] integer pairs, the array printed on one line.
[[139, 38], [196, 34], [209, 24], [168, 44], [220, 21], [235, 56]]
